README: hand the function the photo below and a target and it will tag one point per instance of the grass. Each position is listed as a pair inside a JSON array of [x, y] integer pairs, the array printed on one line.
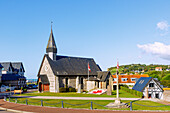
[[122, 94], [51, 102]]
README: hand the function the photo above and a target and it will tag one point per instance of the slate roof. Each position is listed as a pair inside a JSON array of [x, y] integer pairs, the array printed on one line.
[[44, 79], [102, 75], [11, 77], [51, 46], [6, 65], [93, 79], [66, 65], [142, 83], [1, 66], [17, 65], [14, 65]]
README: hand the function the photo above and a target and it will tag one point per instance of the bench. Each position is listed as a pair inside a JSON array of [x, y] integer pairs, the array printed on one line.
[[17, 91]]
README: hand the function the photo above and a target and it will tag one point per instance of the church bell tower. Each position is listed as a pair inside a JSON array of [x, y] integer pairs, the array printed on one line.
[[51, 49]]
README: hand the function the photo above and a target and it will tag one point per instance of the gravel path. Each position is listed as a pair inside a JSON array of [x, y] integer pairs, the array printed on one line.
[[78, 98]]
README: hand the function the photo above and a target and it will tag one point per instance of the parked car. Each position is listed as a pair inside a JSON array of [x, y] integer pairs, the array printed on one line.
[[35, 86], [32, 86]]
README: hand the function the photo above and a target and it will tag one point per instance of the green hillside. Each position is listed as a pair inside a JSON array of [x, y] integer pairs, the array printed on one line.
[[163, 76]]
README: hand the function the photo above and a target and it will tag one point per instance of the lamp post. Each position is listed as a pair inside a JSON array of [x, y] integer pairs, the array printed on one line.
[[10, 89]]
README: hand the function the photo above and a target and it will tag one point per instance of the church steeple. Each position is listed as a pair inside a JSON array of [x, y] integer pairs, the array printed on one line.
[[51, 49]]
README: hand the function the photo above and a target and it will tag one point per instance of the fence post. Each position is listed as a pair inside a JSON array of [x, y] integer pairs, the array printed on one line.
[[41, 102], [9, 98], [15, 100], [62, 104], [131, 106], [26, 101], [91, 105]]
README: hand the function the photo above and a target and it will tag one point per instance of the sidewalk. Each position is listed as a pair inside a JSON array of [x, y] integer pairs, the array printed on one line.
[[77, 98], [38, 109]]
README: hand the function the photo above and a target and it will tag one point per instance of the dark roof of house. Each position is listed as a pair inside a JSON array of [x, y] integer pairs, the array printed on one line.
[[65, 65], [142, 83], [17, 65], [14, 65], [1, 66], [11, 77], [93, 79], [44, 79], [6, 65], [102, 75]]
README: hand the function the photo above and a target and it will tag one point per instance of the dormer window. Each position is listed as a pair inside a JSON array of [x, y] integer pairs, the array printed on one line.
[[20, 70], [9, 69], [151, 85]]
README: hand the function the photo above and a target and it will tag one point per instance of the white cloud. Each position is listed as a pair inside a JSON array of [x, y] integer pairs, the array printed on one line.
[[163, 25], [159, 49]]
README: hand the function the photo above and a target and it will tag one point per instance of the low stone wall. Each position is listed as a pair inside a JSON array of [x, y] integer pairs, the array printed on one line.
[[166, 95]]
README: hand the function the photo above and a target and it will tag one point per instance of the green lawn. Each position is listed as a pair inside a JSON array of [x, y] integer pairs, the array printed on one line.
[[51, 102], [122, 94]]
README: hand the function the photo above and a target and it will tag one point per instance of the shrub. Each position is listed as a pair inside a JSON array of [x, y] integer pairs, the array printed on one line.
[[134, 92], [72, 90], [25, 90], [7, 89], [62, 89]]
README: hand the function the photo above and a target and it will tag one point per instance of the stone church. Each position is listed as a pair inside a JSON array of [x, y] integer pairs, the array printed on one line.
[[58, 71]]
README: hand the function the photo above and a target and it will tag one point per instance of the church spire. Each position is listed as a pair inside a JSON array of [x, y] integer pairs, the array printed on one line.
[[51, 49]]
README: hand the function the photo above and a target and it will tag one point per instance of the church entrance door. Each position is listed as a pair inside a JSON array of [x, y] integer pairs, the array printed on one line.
[[40, 86]]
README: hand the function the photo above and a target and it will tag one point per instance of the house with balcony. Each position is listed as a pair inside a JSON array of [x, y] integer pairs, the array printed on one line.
[[12, 74]]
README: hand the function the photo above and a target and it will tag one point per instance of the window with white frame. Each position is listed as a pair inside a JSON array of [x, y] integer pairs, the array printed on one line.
[[114, 79], [133, 79], [151, 85], [124, 79]]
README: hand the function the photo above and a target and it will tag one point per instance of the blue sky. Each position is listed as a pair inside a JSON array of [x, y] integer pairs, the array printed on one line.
[[132, 31]]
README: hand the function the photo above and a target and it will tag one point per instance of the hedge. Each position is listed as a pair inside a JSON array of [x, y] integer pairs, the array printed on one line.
[[62, 89], [134, 92]]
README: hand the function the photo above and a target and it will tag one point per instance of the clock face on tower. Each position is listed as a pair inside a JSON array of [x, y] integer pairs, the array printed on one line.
[[46, 68]]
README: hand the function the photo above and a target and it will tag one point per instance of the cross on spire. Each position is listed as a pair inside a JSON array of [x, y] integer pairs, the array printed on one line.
[[51, 25]]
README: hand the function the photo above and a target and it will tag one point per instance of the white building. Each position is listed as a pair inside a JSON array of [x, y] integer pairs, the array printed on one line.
[[150, 87], [158, 69]]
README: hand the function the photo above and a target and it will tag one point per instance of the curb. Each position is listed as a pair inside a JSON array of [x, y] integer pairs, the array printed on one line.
[[16, 111]]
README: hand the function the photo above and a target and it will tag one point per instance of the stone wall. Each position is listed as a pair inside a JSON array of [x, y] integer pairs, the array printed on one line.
[[46, 70], [166, 95], [90, 85], [71, 81]]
